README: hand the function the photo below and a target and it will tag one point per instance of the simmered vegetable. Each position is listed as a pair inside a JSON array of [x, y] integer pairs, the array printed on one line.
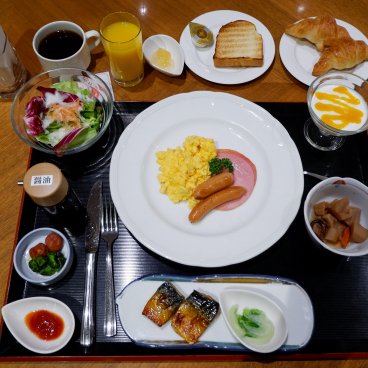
[[338, 223]]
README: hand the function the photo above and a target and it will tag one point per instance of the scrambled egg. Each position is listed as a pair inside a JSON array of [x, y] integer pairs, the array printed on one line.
[[182, 169]]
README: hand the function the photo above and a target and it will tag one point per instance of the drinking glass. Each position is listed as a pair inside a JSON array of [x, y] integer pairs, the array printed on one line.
[[12, 72], [337, 104], [121, 35]]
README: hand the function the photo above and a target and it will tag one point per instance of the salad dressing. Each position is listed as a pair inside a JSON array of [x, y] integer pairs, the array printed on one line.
[[340, 107], [67, 114], [53, 98]]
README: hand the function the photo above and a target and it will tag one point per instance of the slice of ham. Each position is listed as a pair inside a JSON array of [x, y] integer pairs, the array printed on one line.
[[245, 175]]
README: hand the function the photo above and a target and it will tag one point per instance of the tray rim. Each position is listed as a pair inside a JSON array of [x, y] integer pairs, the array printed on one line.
[[309, 356]]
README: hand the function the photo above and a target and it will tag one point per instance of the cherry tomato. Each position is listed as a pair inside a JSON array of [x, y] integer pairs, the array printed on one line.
[[39, 250], [54, 242]]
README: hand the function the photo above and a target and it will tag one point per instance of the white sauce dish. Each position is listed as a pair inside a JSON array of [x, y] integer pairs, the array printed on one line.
[[14, 315], [233, 301], [150, 48]]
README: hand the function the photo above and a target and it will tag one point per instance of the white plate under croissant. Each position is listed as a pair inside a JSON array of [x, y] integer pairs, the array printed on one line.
[[300, 56]]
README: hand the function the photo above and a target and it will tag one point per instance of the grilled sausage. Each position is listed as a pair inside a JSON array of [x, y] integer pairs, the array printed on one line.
[[208, 204], [213, 185]]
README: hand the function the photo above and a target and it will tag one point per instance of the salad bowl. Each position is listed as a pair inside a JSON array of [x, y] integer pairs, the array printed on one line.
[[62, 111]]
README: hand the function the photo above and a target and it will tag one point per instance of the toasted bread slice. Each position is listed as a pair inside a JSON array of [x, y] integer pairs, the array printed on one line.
[[238, 45]]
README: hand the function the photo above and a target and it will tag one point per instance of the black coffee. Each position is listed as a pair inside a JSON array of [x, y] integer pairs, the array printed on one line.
[[60, 44]]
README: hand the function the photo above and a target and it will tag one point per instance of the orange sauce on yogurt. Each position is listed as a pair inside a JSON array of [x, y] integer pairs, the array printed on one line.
[[339, 107]]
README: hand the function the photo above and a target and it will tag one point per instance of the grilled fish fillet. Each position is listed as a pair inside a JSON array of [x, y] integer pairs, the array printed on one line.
[[194, 316], [238, 45], [163, 304]]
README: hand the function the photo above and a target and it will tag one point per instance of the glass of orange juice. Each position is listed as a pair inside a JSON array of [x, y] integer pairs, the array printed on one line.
[[121, 35], [338, 106]]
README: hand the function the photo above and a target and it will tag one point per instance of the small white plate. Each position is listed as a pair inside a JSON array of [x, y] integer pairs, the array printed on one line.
[[300, 56], [200, 60], [290, 296], [253, 299], [14, 314], [153, 43]]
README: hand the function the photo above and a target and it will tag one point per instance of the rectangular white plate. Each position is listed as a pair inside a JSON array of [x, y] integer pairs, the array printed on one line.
[[291, 296]]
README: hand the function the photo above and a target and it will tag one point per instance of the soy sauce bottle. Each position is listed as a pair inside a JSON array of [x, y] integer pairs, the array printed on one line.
[[49, 189]]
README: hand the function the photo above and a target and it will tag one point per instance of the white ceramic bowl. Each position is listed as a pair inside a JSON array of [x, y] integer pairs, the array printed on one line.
[[248, 298], [150, 46], [21, 257], [333, 188], [14, 316]]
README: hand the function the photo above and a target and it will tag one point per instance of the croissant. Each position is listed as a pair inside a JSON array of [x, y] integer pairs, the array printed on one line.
[[319, 30], [342, 54]]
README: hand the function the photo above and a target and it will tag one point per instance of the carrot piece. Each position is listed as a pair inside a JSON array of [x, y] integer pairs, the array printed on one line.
[[345, 238]]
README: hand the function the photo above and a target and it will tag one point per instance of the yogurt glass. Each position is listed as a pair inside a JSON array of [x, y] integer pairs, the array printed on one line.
[[338, 106]]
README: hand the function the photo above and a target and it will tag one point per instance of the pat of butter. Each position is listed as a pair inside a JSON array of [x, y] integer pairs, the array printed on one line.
[[162, 58]]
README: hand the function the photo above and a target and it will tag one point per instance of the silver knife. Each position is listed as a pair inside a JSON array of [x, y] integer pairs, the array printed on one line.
[[92, 238]]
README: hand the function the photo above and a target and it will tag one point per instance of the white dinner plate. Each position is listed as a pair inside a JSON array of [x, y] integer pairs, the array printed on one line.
[[222, 237], [200, 60], [288, 295], [300, 56]]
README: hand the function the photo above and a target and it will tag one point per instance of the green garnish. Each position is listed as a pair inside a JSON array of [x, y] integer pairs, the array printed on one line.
[[251, 324], [47, 265], [248, 321], [220, 164]]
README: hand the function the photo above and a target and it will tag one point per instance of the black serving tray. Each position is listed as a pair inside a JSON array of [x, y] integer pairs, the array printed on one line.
[[337, 286]]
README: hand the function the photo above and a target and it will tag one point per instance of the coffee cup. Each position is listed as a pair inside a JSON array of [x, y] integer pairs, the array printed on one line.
[[64, 44]]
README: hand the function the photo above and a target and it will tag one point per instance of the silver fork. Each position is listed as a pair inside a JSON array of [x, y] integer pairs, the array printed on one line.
[[109, 232]]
